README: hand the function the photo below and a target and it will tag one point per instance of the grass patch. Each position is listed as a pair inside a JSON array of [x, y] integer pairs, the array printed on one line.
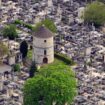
[[29, 55], [58, 65], [58, 58]]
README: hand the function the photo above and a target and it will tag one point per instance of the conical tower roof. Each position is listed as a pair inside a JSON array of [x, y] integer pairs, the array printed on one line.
[[43, 32]]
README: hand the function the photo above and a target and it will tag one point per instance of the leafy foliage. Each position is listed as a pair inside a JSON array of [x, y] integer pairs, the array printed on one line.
[[24, 24], [103, 1], [33, 69], [10, 32], [48, 24], [65, 58], [16, 68], [24, 48], [29, 54], [95, 13], [53, 83]]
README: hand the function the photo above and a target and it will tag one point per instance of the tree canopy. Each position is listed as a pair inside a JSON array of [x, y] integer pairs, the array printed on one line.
[[102, 1], [48, 23], [24, 48], [33, 69], [10, 32], [51, 84], [95, 13], [16, 68]]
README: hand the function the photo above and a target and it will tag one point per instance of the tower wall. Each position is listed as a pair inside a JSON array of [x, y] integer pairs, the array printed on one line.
[[43, 50]]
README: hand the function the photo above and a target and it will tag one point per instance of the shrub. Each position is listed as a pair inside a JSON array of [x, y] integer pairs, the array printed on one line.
[[48, 24], [64, 58], [95, 13], [23, 24], [10, 31], [16, 68]]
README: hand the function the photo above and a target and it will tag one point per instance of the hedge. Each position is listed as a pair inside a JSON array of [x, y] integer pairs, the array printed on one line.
[[64, 58], [47, 22], [24, 24]]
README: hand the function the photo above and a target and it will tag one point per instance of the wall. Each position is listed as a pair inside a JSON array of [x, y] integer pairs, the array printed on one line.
[[39, 46]]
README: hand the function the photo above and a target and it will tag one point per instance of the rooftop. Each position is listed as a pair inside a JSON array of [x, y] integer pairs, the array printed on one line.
[[43, 32]]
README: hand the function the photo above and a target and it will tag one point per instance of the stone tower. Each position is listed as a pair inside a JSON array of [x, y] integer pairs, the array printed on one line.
[[43, 46]]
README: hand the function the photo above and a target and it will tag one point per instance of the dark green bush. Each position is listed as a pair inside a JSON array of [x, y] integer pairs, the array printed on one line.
[[64, 58], [10, 32], [24, 24], [28, 26], [47, 22], [17, 22]]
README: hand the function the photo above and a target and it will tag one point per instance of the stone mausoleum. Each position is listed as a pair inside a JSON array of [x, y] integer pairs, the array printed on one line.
[[43, 46]]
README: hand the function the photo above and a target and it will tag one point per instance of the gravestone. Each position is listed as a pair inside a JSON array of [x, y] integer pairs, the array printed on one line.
[[1, 85], [50, 3], [88, 54], [11, 60], [59, 12], [81, 14]]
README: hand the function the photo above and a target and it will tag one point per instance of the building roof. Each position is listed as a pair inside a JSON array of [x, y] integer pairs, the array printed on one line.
[[43, 32]]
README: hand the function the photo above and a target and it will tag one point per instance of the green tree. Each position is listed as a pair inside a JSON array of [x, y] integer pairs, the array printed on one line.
[[10, 32], [16, 68], [33, 69], [56, 84], [95, 13], [24, 48], [48, 24], [103, 1]]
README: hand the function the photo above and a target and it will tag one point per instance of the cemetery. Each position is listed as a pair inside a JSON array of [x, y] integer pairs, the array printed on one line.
[[75, 39]]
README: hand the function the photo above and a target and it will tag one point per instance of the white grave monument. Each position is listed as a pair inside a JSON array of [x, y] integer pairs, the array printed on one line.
[[50, 3], [81, 14]]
